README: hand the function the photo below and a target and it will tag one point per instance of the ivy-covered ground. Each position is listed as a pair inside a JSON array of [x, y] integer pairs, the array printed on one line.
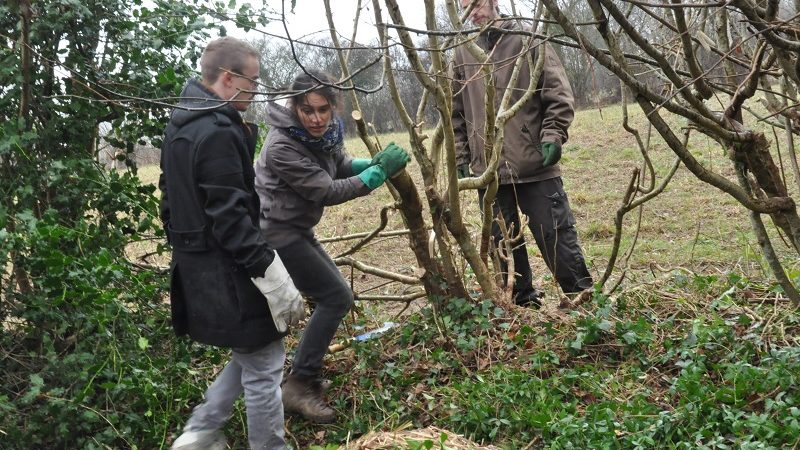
[[696, 349], [692, 362]]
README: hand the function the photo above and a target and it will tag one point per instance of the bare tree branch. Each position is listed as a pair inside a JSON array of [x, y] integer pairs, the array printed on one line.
[[372, 270]]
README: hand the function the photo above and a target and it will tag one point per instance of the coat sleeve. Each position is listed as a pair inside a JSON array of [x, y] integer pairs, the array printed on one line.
[[458, 117], [344, 165], [218, 167], [163, 209], [311, 181], [557, 99]]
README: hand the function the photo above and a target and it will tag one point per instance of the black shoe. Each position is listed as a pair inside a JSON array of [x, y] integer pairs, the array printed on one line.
[[529, 299]]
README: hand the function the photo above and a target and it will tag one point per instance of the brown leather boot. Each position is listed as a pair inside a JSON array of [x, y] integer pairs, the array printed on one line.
[[304, 397]]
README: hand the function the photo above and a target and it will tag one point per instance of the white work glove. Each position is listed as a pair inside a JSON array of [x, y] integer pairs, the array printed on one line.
[[285, 302]]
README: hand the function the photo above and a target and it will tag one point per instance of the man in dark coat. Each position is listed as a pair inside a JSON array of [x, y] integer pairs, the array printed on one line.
[[222, 269], [529, 174]]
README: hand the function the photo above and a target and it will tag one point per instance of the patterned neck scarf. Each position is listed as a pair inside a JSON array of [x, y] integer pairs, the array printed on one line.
[[331, 141]]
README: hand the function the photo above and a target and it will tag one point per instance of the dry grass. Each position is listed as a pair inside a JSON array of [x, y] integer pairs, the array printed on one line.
[[691, 225], [401, 439]]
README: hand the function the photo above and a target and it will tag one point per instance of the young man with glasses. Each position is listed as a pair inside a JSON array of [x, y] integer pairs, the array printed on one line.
[[222, 269]]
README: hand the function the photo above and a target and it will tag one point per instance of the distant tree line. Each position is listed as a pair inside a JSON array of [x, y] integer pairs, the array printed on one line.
[[281, 64]]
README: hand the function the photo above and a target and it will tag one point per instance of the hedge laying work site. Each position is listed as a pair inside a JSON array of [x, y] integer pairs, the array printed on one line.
[[556, 223]]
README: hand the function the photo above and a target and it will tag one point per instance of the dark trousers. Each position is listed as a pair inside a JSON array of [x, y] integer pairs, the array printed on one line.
[[318, 278], [553, 227]]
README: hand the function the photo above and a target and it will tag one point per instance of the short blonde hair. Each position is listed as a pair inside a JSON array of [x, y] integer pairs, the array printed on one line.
[[225, 53]]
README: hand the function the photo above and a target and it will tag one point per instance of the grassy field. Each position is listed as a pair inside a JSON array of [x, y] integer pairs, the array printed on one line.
[[690, 225], [697, 349]]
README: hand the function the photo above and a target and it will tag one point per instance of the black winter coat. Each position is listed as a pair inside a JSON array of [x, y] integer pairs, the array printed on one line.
[[210, 213]]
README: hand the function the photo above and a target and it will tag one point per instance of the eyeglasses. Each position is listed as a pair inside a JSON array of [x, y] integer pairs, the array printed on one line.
[[253, 81]]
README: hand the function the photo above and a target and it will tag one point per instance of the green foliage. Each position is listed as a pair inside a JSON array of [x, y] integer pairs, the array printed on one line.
[[92, 358], [89, 357], [642, 377], [89, 360]]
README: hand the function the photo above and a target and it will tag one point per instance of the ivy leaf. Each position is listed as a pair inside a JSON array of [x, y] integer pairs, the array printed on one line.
[[37, 382]]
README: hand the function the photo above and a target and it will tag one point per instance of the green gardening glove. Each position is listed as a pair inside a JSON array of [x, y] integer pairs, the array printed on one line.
[[359, 165], [551, 153], [392, 148], [393, 159], [373, 176]]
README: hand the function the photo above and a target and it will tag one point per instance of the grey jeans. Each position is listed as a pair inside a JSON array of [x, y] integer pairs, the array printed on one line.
[[258, 374]]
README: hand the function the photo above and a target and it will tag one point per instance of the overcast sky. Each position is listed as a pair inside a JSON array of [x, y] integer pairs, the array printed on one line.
[[308, 18]]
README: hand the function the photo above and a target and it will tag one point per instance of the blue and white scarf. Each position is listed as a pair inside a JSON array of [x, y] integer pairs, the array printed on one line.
[[331, 141]]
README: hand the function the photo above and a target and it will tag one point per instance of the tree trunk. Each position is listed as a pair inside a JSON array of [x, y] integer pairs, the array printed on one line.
[[20, 275]]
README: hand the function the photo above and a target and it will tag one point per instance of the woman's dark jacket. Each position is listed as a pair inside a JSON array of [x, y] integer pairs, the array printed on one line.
[[295, 183], [210, 210]]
